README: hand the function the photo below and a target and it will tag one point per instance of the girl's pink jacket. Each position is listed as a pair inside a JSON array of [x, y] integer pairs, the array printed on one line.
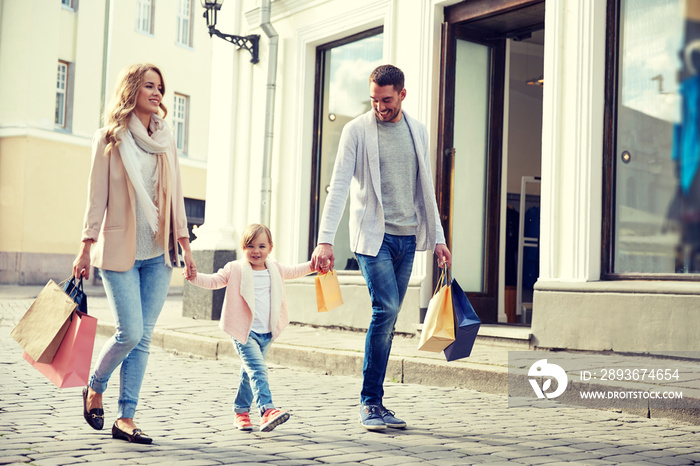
[[239, 301]]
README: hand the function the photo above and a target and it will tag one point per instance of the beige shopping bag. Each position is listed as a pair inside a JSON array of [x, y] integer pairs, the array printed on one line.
[[40, 331], [328, 291], [439, 324]]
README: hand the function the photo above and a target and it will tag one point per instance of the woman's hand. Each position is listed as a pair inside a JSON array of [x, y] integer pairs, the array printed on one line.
[[81, 264], [190, 271]]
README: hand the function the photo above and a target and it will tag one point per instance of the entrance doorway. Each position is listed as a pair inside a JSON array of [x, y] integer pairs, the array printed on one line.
[[489, 152]]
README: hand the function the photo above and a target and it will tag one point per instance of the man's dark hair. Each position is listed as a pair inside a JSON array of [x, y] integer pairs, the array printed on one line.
[[385, 75]]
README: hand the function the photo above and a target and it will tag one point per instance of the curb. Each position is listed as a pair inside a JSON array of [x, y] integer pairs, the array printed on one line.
[[480, 377]]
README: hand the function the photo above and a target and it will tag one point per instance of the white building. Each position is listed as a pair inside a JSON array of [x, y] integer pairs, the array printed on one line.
[[593, 173], [589, 154], [59, 60]]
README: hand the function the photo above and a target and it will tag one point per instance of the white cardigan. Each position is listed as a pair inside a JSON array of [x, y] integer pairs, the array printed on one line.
[[356, 172]]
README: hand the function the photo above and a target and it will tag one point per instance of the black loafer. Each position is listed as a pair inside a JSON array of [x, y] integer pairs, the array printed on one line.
[[96, 416], [137, 436]]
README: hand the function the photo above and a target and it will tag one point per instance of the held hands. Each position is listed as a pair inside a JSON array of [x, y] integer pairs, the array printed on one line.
[[444, 256], [190, 270], [322, 260]]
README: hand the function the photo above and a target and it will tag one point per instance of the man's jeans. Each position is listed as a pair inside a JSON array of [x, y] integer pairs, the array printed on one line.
[[252, 384], [136, 298], [387, 277]]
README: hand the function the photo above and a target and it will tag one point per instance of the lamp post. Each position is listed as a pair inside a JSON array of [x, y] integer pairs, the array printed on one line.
[[250, 43]]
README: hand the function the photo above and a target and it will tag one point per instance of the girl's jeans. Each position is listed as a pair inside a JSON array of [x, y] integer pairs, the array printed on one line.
[[136, 298], [252, 384], [387, 277]]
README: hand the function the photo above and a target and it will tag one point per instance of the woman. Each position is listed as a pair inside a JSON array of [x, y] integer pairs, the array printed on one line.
[[135, 217]]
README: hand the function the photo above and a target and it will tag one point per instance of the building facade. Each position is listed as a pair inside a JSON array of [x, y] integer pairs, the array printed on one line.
[[59, 61], [552, 131], [563, 136]]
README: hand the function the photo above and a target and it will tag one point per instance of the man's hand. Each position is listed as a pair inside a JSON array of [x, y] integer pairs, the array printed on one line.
[[322, 260], [444, 256]]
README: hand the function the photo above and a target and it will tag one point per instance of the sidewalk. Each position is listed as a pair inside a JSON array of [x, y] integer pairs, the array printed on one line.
[[340, 352]]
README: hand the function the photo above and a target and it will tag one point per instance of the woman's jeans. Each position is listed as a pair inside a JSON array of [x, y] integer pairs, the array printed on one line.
[[252, 383], [387, 277], [136, 298]]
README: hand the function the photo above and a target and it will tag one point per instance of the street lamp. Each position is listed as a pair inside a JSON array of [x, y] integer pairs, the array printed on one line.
[[250, 43]]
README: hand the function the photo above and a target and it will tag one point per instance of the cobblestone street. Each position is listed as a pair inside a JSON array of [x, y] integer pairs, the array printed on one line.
[[186, 407]]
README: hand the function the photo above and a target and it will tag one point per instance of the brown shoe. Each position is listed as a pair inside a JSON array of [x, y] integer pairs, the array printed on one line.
[[137, 436], [96, 417]]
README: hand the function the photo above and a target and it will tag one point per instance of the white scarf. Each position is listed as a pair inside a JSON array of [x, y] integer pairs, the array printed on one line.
[[156, 144]]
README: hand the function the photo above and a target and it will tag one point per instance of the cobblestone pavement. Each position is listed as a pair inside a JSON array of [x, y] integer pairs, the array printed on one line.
[[186, 407]]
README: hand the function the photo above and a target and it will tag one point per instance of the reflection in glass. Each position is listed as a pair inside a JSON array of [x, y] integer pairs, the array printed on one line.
[[346, 70], [472, 73], [657, 187]]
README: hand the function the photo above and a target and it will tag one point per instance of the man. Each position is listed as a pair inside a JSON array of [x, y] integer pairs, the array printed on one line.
[[384, 163]]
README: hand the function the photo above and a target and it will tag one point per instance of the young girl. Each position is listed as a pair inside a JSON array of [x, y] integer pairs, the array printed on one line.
[[254, 313]]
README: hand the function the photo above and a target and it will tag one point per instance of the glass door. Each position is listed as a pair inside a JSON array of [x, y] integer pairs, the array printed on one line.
[[342, 94], [469, 162]]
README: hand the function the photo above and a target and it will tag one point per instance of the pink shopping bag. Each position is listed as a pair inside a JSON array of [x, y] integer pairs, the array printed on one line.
[[71, 364]]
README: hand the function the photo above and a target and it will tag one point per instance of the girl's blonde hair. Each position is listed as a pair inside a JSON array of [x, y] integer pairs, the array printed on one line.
[[118, 113], [251, 232]]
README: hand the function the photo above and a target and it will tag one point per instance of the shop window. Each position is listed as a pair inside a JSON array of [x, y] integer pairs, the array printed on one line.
[[144, 16], [194, 209], [342, 93], [652, 143]]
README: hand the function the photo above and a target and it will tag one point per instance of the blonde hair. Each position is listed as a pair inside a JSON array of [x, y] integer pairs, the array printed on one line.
[[118, 113], [251, 232]]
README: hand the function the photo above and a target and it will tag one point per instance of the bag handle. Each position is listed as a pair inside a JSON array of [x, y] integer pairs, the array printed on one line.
[[74, 289], [69, 287]]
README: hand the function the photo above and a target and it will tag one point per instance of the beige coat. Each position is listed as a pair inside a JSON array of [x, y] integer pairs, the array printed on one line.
[[110, 215]]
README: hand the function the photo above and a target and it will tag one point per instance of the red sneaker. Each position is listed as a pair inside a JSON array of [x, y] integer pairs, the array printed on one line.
[[242, 422], [271, 418]]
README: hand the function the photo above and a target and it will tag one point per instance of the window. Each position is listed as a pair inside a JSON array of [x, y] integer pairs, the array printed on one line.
[[144, 16], [61, 94], [180, 121], [194, 210], [67, 3], [342, 93], [184, 23], [652, 140]]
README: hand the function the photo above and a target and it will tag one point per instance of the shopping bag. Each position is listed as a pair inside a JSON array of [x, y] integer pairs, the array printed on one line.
[[439, 326], [41, 329], [76, 293], [71, 364], [328, 291], [467, 325]]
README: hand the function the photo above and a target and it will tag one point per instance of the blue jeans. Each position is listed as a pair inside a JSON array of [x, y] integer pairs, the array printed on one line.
[[387, 277], [136, 298], [252, 383]]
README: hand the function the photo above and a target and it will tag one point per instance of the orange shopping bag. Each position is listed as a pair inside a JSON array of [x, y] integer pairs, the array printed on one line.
[[439, 324], [71, 364], [328, 291]]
